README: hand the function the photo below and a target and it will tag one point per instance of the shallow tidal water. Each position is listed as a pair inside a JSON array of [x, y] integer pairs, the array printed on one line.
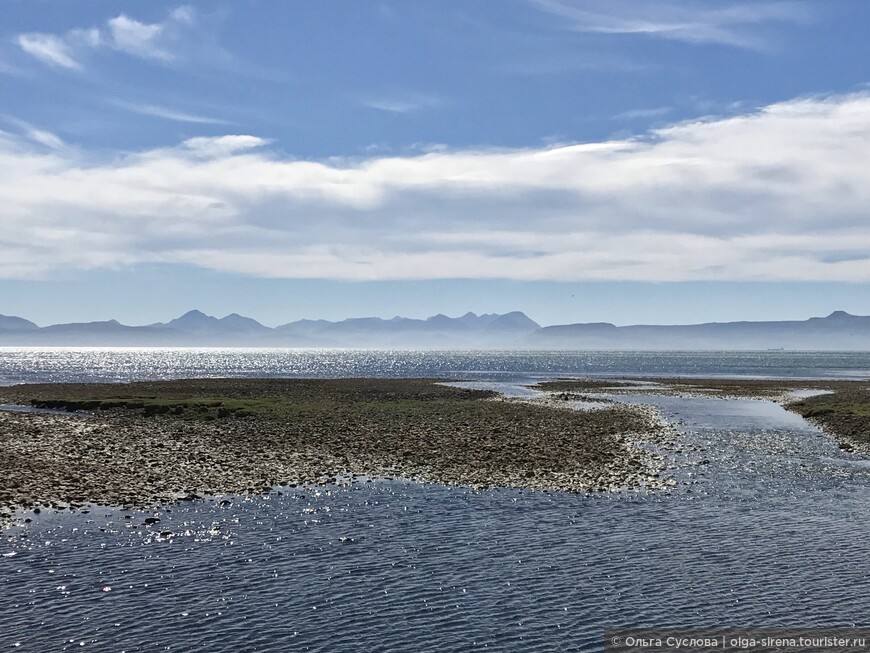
[[768, 527]]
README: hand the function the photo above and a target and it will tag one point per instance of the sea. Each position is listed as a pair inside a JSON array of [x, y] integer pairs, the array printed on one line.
[[768, 527]]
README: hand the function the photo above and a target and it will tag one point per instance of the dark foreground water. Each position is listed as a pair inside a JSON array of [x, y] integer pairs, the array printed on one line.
[[769, 527]]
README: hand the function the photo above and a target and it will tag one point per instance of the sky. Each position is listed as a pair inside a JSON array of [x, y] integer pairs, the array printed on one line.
[[579, 160]]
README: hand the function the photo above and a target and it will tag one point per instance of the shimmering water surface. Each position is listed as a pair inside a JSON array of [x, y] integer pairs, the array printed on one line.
[[52, 364], [769, 527]]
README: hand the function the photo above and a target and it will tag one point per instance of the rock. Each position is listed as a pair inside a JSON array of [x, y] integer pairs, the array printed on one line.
[[151, 520]]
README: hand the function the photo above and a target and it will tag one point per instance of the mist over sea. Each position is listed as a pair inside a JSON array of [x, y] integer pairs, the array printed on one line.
[[767, 527]]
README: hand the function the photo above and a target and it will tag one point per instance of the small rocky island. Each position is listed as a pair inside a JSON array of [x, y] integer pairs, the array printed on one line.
[[146, 443]]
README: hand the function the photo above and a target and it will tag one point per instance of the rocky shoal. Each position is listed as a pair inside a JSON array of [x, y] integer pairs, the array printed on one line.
[[149, 443]]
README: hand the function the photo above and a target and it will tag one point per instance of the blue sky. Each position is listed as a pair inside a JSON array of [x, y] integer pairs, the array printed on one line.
[[585, 160]]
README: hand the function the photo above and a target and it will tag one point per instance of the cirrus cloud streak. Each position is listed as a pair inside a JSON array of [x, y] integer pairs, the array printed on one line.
[[121, 34]]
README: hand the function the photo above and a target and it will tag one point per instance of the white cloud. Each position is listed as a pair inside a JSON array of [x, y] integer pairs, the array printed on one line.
[[170, 114], [183, 15], [391, 105], [139, 39], [49, 49], [782, 193], [730, 24], [46, 138], [216, 146], [402, 103], [33, 133], [121, 34], [635, 114]]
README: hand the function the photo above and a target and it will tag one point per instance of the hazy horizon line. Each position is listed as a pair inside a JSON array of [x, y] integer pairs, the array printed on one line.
[[420, 319]]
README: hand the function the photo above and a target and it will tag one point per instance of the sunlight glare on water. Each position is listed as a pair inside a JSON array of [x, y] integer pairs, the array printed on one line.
[[52, 364]]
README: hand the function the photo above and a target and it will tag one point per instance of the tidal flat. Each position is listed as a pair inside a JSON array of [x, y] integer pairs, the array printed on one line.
[[840, 408], [155, 442], [146, 443]]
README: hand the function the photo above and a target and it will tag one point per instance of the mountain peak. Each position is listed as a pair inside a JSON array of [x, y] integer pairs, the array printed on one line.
[[192, 321], [236, 322], [515, 320], [195, 315], [839, 315], [235, 317], [12, 323]]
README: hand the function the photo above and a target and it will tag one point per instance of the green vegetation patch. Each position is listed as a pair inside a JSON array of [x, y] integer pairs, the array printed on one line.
[[278, 399], [846, 413], [831, 407], [192, 408]]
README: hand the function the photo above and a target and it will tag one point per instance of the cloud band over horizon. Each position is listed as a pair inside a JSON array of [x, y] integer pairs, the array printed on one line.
[[782, 193]]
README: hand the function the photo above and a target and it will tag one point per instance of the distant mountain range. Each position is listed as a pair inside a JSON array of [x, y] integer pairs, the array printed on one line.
[[837, 331], [196, 328]]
